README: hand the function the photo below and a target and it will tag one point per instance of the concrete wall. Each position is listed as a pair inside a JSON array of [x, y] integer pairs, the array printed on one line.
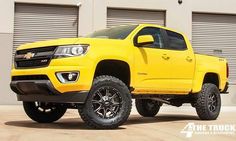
[[92, 16], [6, 38]]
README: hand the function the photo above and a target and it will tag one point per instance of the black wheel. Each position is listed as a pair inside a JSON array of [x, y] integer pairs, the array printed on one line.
[[44, 112], [208, 102], [147, 107], [108, 104]]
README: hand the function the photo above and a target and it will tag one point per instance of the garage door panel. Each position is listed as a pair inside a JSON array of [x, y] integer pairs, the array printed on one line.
[[116, 17], [43, 22], [212, 32]]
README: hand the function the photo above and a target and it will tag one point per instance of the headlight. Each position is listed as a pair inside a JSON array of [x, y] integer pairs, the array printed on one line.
[[70, 50]]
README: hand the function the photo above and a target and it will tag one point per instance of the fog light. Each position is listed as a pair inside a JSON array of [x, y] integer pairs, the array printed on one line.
[[72, 76], [67, 77]]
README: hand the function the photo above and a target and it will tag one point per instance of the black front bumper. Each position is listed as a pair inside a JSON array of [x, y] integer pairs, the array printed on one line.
[[43, 91]]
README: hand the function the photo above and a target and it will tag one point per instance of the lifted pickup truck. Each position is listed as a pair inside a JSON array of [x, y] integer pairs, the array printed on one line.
[[100, 74]]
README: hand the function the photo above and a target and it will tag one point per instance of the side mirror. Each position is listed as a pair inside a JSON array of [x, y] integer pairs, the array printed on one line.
[[145, 39]]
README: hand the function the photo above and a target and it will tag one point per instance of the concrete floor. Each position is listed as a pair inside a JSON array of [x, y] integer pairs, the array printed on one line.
[[16, 126]]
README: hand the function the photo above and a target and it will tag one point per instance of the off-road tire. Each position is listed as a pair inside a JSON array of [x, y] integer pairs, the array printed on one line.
[[203, 102], [101, 121], [147, 107], [52, 111]]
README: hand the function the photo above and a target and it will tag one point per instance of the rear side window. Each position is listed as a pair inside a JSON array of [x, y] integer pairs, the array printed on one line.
[[176, 41]]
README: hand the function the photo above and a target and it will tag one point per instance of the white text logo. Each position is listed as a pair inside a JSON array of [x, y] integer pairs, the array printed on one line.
[[203, 129]]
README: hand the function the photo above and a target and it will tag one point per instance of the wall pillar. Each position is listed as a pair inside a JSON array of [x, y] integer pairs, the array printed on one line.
[[6, 38]]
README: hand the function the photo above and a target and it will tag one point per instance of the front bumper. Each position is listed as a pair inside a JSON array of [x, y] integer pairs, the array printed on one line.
[[43, 91], [82, 84]]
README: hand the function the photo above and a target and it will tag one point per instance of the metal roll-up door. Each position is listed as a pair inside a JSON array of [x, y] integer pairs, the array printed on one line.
[[117, 17], [216, 35], [43, 22]]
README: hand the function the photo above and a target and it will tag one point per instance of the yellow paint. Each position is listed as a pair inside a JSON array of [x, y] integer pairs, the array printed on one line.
[[158, 71], [145, 39]]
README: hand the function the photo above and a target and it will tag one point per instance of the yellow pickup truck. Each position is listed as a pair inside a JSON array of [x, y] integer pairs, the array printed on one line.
[[99, 75]]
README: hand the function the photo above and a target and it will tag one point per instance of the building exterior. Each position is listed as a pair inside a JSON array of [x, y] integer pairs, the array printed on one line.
[[209, 24]]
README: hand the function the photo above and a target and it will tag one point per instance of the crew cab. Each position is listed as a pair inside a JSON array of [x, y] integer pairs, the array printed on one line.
[[99, 74]]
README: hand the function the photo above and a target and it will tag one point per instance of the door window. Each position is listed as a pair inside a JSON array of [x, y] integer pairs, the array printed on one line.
[[176, 41], [156, 34]]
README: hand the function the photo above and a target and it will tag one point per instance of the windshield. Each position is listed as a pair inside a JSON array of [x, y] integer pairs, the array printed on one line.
[[119, 32]]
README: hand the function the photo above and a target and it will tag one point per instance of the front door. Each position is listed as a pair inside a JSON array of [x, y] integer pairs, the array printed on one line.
[[152, 64]]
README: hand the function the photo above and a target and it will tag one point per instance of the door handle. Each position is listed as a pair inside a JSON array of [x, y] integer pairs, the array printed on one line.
[[189, 59], [165, 57]]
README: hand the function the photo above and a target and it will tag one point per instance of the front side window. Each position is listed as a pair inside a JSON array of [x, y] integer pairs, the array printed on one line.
[[119, 32], [155, 33], [176, 41]]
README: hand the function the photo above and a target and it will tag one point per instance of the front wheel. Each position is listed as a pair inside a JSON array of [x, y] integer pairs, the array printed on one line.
[[208, 102], [44, 112], [108, 104]]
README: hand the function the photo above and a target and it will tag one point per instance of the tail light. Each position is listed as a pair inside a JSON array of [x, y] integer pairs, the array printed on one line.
[[227, 70]]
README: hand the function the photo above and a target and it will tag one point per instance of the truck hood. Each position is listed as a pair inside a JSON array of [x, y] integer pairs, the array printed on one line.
[[68, 41]]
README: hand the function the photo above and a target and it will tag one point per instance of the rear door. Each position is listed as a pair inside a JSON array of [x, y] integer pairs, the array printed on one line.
[[182, 62]]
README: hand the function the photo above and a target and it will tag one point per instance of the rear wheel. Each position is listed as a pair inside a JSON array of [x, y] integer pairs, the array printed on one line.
[[44, 112], [208, 102], [147, 107], [108, 104]]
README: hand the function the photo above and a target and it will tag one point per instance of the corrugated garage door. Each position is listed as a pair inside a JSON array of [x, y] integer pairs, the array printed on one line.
[[42, 22], [117, 17], [216, 35]]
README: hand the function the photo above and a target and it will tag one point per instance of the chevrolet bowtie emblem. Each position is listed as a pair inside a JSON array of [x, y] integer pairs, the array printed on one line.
[[29, 55]]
